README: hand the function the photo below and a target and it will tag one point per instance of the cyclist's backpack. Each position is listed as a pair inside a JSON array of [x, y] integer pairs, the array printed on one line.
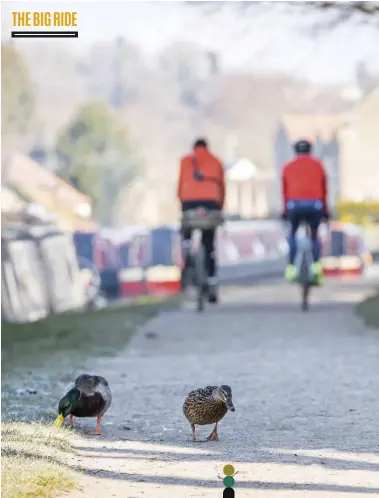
[[199, 176]]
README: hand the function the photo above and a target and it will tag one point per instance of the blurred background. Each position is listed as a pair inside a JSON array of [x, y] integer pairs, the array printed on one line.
[[93, 128]]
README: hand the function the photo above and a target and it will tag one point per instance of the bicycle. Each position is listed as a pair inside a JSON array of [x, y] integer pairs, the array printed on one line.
[[200, 219], [303, 263]]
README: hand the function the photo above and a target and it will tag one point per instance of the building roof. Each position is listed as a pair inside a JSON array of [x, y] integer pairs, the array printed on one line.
[[313, 126], [26, 173], [11, 202], [241, 171], [41, 186]]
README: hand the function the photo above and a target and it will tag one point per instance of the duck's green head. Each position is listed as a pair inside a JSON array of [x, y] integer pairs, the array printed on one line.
[[67, 405]]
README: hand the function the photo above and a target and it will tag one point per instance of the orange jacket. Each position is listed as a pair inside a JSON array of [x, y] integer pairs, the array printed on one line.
[[190, 189], [304, 178]]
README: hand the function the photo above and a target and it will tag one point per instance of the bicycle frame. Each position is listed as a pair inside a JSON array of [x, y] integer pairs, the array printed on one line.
[[198, 274], [303, 263], [304, 254], [200, 219]]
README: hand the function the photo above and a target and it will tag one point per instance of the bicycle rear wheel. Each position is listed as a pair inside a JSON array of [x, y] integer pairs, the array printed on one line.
[[187, 273], [305, 284], [200, 277]]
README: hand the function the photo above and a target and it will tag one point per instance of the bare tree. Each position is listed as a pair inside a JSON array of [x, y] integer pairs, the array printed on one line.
[[338, 12], [344, 11]]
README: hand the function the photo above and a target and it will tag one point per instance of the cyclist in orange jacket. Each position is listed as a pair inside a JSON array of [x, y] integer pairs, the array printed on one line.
[[304, 186], [202, 184]]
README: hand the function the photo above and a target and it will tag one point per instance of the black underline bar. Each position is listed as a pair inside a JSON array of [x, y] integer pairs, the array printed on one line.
[[45, 34]]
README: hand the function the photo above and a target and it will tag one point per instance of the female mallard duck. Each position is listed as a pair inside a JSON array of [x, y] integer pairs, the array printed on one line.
[[208, 406], [87, 396]]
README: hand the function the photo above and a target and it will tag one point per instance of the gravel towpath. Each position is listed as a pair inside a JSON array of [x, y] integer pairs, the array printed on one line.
[[305, 388]]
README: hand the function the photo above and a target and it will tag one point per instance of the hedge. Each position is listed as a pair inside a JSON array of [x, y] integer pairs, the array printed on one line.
[[362, 213]]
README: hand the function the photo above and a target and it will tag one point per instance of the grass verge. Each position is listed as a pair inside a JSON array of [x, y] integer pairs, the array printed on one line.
[[46, 355], [35, 461], [368, 310]]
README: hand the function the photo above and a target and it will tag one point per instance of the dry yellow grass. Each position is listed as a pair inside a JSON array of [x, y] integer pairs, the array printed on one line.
[[36, 461]]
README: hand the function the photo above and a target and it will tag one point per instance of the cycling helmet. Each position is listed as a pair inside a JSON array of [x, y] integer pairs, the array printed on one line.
[[201, 142], [302, 147]]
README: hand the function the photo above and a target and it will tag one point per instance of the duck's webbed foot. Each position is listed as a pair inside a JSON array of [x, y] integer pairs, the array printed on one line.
[[213, 436], [194, 440], [97, 431]]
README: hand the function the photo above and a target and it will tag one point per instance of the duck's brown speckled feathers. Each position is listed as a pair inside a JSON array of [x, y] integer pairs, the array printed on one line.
[[201, 408]]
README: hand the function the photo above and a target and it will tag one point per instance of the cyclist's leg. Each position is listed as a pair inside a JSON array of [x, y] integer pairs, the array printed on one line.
[[314, 221], [294, 218], [314, 224], [186, 244], [208, 240]]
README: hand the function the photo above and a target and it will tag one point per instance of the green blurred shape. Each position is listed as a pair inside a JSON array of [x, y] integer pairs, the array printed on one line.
[[228, 481]]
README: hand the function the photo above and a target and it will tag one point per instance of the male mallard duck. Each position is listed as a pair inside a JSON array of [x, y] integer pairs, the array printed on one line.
[[208, 406], [87, 396]]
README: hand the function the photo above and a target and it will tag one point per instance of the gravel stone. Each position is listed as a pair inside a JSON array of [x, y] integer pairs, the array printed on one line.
[[305, 388]]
